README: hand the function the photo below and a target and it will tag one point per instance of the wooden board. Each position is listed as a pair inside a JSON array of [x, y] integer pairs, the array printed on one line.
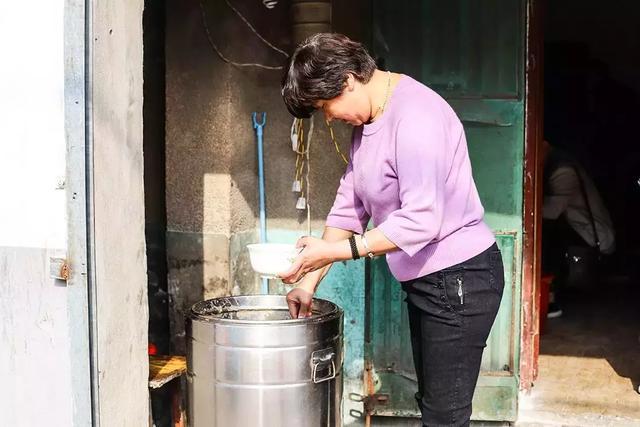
[[163, 369]]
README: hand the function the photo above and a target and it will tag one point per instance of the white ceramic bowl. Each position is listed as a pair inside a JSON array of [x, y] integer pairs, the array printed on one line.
[[269, 259]]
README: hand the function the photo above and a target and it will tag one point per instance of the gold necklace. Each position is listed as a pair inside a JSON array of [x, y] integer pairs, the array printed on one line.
[[386, 98]]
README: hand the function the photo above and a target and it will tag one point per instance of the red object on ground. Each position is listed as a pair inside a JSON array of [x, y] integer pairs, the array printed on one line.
[[545, 289], [153, 350]]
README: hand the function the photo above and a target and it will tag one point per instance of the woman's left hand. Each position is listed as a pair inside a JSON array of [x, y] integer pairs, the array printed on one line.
[[316, 254]]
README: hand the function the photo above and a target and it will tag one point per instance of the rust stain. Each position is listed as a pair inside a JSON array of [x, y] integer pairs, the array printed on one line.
[[65, 271], [369, 389]]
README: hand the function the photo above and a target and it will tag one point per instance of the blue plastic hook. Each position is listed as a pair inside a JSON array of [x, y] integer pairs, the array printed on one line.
[[257, 124]]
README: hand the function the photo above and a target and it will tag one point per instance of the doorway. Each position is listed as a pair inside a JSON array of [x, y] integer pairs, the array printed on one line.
[[589, 369]]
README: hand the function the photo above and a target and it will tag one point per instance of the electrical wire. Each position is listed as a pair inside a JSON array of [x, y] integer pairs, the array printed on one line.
[[251, 27], [308, 154], [302, 147], [300, 132], [221, 55], [302, 183]]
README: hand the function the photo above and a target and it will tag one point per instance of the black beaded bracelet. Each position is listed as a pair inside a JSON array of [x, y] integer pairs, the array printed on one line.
[[354, 248]]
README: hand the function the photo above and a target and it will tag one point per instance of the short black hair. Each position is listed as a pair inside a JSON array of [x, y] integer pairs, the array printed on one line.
[[318, 69]]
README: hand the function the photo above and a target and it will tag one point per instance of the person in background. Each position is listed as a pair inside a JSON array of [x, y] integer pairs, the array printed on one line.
[[573, 215], [409, 172]]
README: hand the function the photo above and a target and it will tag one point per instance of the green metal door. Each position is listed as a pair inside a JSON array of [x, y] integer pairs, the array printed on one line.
[[472, 54]]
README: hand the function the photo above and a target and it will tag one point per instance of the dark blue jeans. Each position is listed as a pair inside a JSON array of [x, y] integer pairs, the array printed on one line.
[[451, 313]]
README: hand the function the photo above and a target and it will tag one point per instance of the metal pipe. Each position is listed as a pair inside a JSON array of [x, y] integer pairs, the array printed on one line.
[[309, 17], [90, 209], [259, 128]]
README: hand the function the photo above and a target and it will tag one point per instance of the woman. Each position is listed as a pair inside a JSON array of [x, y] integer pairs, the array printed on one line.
[[409, 171]]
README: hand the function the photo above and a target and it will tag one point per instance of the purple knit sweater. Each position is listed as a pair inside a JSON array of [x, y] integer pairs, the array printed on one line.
[[409, 172]]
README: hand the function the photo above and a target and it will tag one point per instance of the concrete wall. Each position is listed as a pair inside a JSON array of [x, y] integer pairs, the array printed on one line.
[[211, 169], [44, 350], [120, 261]]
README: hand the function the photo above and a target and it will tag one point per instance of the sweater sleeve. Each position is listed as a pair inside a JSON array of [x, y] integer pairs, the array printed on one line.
[[421, 173], [348, 212]]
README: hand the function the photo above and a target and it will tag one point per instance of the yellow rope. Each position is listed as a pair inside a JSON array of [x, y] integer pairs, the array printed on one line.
[[301, 152]]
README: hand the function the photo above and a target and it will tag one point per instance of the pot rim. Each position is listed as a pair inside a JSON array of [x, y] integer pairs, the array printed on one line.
[[195, 312]]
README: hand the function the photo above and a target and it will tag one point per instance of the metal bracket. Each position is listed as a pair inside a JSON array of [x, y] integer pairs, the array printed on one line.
[[370, 402], [374, 400]]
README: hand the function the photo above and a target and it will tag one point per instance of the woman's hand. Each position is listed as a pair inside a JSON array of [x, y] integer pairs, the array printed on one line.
[[299, 301], [315, 254]]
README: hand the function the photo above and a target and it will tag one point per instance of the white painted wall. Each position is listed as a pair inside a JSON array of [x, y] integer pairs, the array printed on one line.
[[43, 327], [32, 147]]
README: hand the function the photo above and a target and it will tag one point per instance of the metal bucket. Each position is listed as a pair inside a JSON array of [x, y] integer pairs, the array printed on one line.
[[251, 364]]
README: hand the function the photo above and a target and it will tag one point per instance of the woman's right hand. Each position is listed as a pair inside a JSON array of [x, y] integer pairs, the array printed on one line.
[[299, 301], [299, 298]]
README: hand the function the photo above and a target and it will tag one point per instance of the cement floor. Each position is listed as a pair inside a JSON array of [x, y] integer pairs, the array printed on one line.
[[589, 368]]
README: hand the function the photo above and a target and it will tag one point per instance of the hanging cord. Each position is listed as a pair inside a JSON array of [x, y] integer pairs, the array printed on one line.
[[302, 148], [299, 131], [308, 155], [221, 55], [297, 138], [251, 27]]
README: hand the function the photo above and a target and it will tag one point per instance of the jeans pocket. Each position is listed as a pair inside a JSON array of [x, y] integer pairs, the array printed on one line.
[[429, 294]]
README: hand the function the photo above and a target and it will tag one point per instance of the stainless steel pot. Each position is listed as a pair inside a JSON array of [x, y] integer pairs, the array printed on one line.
[[250, 364]]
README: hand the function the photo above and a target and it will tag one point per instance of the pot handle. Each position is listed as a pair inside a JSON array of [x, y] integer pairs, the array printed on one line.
[[321, 360]]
